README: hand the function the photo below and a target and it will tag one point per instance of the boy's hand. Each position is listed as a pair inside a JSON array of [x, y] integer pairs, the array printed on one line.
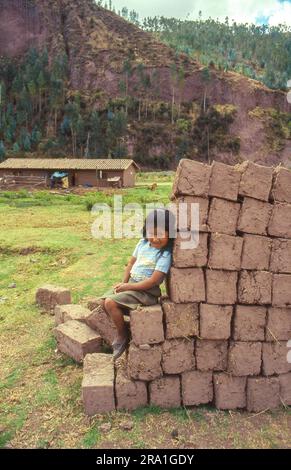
[[122, 287]]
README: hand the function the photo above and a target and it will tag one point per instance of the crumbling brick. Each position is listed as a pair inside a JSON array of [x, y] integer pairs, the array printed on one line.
[[278, 324], [197, 388], [281, 190], [281, 256], [178, 356], [285, 388], [275, 358], [186, 201], [186, 285], [130, 394], [48, 296], [256, 180], [256, 252], [221, 287], [225, 252], [192, 178], [244, 358], [249, 323], [281, 290], [224, 181], [211, 355], [98, 384], [223, 216], [182, 320], [144, 364], [165, 392], [229, 391], [262, 393], [255, 287], [184, 257], [146, 325], [100, 321], [215, 321], [64, 313], [254, 216], [280, 221]]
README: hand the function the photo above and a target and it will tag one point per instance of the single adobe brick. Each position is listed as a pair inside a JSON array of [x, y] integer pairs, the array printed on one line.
[[187, 256], [249, 323], [130, 394], [256, 252], [281, 190], [215, 321], [280, 221], [244, 358], [197, 388], [224, 181], [178, 356], [48, 296], [100, 321], [281, 256], [256, 181], [223, 216], [281, 290], [255, 287], [64, 313], [225, 252], [211, 354], [275, 358], [221, 287], [165, 392], [278, 324], [186, 285], [98, 384], [262, 393], [229, 391], [144, 364], [192, 178], [254, 216], [93, 302], [185, 210], [182, 320], [146, 325], [285, 388]]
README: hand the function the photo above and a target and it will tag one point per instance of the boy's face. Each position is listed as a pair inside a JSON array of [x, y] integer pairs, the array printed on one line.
[[158, 239]]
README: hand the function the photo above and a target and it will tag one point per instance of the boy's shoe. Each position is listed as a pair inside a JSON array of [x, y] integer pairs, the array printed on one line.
[[119, 348]]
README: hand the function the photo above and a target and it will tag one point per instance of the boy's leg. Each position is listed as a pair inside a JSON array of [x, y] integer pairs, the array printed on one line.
[[116, 314]]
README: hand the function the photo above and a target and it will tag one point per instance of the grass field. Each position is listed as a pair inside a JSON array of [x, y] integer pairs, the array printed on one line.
[[46, 237]]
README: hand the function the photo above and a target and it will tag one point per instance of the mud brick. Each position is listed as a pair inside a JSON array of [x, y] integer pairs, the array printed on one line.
[[255, 287], [165, 392], [182, 320], [281, 290], [223, 216], [76, 340], [256, 181], [144, 364], [48, 296], [285, 388], [281, 190], [178, 356], [211, 355], [221, 287], [197, 388], [262, 393], [130, 394], [256, 252], [229, 391], [278, 324], [98, 384], [186, 285], [64, 313], [181, 212], [184, 257], [215, 321], [93, 303], [275, 358], [225, 252], [249, 323], [281, 256], [192, 178], [244, 358], [100, 321], [254, 216], [224, 181], [146, 325], [280, 221]]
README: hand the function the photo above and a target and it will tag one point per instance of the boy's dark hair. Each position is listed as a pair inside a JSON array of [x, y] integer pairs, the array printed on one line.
[[164, 219]]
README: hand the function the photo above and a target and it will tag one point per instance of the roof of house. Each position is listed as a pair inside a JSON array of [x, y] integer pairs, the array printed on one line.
[[68, 164]]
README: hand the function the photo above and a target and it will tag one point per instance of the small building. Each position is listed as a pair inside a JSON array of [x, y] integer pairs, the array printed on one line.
[[89, 172]]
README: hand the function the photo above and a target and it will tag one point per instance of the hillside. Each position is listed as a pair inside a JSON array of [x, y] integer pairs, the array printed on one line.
[[99, 85]]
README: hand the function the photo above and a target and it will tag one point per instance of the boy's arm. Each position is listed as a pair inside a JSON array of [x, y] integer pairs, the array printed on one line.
[[156, 279], [128, 269]]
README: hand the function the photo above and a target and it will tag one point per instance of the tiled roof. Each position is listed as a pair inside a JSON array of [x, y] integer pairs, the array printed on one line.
[[67, 164]]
